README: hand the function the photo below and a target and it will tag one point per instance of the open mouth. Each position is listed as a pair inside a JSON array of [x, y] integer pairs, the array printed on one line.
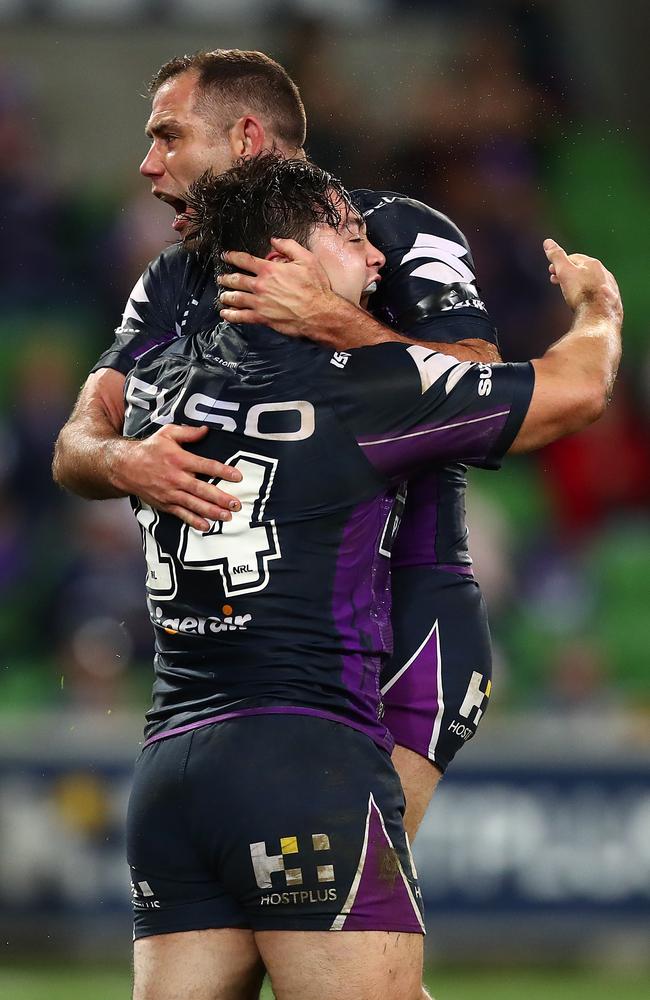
[[372, 287], [181, 217]]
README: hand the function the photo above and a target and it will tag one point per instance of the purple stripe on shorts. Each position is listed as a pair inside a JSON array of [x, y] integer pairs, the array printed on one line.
[[376, 733], [382, 898], [413, 703], [468, 440]]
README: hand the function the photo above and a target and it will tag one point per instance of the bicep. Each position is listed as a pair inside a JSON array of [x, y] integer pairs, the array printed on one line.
[[102, 399], [415, 406], [557, 406]]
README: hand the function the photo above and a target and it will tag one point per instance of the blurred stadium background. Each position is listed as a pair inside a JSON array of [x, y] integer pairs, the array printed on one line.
[[519, 120]]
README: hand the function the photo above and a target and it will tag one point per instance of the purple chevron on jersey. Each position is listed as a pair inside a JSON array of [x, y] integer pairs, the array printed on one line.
[[361, 609], [141, 348]]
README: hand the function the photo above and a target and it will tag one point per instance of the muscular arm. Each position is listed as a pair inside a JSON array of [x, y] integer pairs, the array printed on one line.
[[574, 379], [92, 459], [409, 407], [342, 326], [296, 299], [90, 445]]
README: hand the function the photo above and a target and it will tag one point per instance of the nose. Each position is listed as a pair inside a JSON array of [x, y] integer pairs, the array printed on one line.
[[375, 257], [152, 165]]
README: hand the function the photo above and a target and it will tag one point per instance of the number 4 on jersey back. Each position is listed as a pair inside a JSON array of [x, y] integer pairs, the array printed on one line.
[[240, 549]]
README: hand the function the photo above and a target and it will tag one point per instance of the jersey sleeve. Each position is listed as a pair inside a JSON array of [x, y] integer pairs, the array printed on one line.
[[428, 288], [151, 315], [410, 407]]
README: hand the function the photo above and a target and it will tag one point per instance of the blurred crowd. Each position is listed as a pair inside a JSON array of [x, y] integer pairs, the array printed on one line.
[[561, 539]]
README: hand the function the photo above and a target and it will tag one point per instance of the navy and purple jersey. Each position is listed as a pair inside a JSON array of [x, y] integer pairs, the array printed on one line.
[[429, 292], [285, 608], [174, 296]]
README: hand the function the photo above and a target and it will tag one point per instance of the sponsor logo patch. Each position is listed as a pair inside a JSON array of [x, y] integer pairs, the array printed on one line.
[[230, 622], [284, 867]]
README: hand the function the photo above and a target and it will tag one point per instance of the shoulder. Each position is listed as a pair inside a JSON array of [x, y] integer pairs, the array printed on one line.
[[398, 220], [169, 284], [175, 262]]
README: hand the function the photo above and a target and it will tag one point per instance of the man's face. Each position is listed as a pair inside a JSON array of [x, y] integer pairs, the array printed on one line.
[[350, 261], [183, 144]]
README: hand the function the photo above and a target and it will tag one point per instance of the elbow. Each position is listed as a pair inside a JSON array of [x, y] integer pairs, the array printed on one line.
[[63, 472], [58, 473], [593, 402]]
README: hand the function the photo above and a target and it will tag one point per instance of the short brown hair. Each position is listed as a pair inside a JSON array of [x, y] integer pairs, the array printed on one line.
[[243, 81]]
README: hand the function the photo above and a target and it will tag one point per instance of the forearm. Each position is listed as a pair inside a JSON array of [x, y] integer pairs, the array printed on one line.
[[574, 378], [592, 347], [345, 327], [87, 454]]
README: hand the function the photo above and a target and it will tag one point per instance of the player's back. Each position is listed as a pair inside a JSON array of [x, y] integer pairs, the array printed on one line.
[[285, 606]]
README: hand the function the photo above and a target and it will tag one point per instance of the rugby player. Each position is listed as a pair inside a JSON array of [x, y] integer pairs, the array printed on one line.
[[266, 813], [208, 110]]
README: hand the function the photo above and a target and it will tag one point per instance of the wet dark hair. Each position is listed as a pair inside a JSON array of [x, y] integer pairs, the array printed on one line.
[[234, 82], [257, 199]]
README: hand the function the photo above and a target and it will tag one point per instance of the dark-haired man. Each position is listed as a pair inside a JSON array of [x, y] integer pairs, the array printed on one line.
[[265, 812], [208, 110]]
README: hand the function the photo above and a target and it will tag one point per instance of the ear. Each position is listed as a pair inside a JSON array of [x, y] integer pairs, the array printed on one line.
[[247, 136], [275, 255]]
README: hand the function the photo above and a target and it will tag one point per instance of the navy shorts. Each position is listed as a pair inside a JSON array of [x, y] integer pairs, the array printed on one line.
[[437, 684], [269, 822]]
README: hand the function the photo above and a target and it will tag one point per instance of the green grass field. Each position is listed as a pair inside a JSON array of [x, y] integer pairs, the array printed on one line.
[[19, 983]]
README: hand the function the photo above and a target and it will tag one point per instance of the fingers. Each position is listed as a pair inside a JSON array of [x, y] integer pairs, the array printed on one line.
[[237, 300], [557, 259], [188, 517], [212, 497], [183, 510], [241, 316], [243, 282], [182, 433], [291, 249], [201, 505], [211, 468], [244, 261], [554, 252]]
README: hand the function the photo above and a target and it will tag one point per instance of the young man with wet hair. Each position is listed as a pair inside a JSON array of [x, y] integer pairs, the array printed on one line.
[[208, 110], [266, 817]]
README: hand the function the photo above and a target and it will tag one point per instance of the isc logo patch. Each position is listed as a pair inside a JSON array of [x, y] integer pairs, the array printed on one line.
[[264, 865]]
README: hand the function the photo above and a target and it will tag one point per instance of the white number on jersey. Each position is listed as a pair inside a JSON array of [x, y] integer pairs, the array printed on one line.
[[161, 572], [240, 549]]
